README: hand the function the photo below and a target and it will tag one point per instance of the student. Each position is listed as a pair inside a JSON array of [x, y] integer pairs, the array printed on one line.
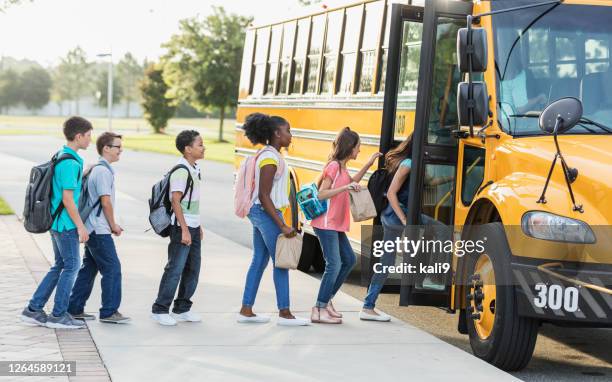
[[332, 226], [66, 233], [184, 257], [100, 252], [270, 198]]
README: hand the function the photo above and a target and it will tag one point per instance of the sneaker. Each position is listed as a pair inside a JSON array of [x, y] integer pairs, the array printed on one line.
[[297, 321], [116, 318], [381, 317], [84, 316], [257, 319], [187, 317], [65, 321], [34, 317], [164, 319], [322, 316]]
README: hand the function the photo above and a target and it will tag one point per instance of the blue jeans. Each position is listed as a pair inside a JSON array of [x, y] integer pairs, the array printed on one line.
[[182, 271], [100, 255], [392, 229], [339, 260], [265, 234], [62, 274]]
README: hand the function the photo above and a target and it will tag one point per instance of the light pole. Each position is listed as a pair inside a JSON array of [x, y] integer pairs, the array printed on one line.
[[109, 89]]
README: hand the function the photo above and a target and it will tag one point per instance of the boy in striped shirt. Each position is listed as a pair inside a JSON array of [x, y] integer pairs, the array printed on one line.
[[183, 268]]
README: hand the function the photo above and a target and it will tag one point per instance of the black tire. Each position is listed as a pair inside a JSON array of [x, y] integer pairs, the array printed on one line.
[[293, 205], [308, 252], [512, 339]]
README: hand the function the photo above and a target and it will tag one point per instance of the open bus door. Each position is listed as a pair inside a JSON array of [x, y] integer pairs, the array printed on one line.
[[434, 156]]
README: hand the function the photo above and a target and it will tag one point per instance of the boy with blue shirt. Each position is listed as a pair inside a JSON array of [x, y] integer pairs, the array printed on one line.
[[67, 231], [100, 252]]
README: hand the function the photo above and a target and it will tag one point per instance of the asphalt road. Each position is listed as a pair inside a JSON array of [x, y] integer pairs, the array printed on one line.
[[561, 354]]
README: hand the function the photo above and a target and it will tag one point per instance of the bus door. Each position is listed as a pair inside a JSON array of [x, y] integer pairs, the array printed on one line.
[[434, 156]]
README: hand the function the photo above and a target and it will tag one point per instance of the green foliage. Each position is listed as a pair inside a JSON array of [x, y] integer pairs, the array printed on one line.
[[102, 89], [5, 4], [72, 77], [9, 89], [157, 108], [130, 73], [35, 88], [202, 65]]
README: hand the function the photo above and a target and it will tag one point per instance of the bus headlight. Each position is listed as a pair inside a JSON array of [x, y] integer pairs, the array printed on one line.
[[547, 226]]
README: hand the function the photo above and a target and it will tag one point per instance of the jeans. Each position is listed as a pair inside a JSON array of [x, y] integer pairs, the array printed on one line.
[[339, 260], [100, 255], [182, 271], [62, 274], [392, 229], [265, 234]]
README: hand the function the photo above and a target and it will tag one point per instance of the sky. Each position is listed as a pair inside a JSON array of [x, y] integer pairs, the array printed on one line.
[[45, 30]]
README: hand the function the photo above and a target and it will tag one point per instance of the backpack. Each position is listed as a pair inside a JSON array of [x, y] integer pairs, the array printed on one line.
[[160, 206], [245, 183], [84, 208], [378, 185], [308, 201], [37, 215]]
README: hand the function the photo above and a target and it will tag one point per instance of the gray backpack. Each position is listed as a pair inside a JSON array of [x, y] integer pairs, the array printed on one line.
[[160, 208], [37, 215], [85, 205]]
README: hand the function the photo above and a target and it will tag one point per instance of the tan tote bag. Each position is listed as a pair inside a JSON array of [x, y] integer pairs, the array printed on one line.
[[362, 205], [288, 251]]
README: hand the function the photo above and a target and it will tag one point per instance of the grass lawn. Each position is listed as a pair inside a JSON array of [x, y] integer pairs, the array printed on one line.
[[164, 144], [137, 132], [4, 208]]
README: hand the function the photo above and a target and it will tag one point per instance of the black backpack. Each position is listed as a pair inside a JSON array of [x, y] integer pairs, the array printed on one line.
[[378, 185], [160, 207], [37, 215]]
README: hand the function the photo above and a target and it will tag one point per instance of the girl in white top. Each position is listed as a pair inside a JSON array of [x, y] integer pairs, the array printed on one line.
[[270, 197]]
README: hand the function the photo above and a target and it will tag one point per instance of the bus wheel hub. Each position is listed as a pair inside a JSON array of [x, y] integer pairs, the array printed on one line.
[[482, 296]]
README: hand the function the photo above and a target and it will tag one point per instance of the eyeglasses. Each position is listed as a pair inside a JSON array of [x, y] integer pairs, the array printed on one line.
[[116, 147]]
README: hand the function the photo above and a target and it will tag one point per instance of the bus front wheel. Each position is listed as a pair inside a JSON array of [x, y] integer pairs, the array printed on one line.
[[497, 333]]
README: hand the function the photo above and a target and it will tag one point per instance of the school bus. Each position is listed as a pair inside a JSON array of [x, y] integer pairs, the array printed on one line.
[[480, 111]]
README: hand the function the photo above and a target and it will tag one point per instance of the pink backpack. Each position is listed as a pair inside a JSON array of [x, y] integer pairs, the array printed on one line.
[[245, 182]]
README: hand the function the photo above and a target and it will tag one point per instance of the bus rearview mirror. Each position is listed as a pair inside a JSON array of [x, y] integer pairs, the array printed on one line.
[[477, 107], [477, 49], [566, 112]]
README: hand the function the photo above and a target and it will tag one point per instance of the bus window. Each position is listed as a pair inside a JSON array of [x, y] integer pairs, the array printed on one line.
[[314, 53], [411, 58], [352, 29], [261, 59], [566, 48], [275, 46], [301, 44], [597, 55], [369, 44], [539, 62], [473, 173], [332, 45], [247, 60], [286, 56]]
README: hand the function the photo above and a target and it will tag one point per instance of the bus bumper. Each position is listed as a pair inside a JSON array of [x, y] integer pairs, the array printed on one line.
[[568, 293]]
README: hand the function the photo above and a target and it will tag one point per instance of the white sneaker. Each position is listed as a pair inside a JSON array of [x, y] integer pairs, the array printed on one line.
[[187, 317], [257, 319], [297, 321], [164, 319], [382, 317]]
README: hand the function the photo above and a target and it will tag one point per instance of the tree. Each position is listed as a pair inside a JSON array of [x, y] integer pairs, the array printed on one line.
[[9, 89], [35, 88], [73, 76], [130, 72], [202, 64], [102, 89], [158, 109]]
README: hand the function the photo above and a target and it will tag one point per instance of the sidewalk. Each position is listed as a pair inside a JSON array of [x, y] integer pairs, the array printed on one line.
[[219, 349], [21, 268]]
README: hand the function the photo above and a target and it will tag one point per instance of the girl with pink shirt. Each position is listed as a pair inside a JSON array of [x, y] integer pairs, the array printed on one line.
[[332, 226]]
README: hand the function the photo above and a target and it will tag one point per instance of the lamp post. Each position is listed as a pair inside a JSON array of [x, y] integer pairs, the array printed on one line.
[[109, 90]]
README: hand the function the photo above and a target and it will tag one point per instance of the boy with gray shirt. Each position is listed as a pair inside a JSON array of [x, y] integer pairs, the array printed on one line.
[[100, 252]]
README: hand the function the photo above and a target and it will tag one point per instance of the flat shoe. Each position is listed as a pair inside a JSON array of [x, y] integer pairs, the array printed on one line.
[[257, 319]]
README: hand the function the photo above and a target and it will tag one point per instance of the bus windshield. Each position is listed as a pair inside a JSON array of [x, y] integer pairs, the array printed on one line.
[[550, 52]]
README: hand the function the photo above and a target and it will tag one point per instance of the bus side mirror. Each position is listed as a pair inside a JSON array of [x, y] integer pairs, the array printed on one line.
[[472, 42], [477, 107]]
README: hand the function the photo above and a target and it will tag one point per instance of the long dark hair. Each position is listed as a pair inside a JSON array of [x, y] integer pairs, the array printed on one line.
[[343, 145], [259, 128], [394, 157]]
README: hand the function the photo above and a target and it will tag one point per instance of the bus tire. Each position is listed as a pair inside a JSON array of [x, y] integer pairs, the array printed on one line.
[[497, 333]]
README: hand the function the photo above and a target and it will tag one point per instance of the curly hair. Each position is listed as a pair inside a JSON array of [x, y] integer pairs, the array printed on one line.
[[185, 138], [259, 128]]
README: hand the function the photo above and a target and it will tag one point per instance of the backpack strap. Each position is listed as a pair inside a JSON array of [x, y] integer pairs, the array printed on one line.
[[188, 187], [56, 159]]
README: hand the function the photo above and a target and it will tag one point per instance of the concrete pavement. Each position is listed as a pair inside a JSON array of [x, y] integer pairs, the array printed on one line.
[[219, 349]]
